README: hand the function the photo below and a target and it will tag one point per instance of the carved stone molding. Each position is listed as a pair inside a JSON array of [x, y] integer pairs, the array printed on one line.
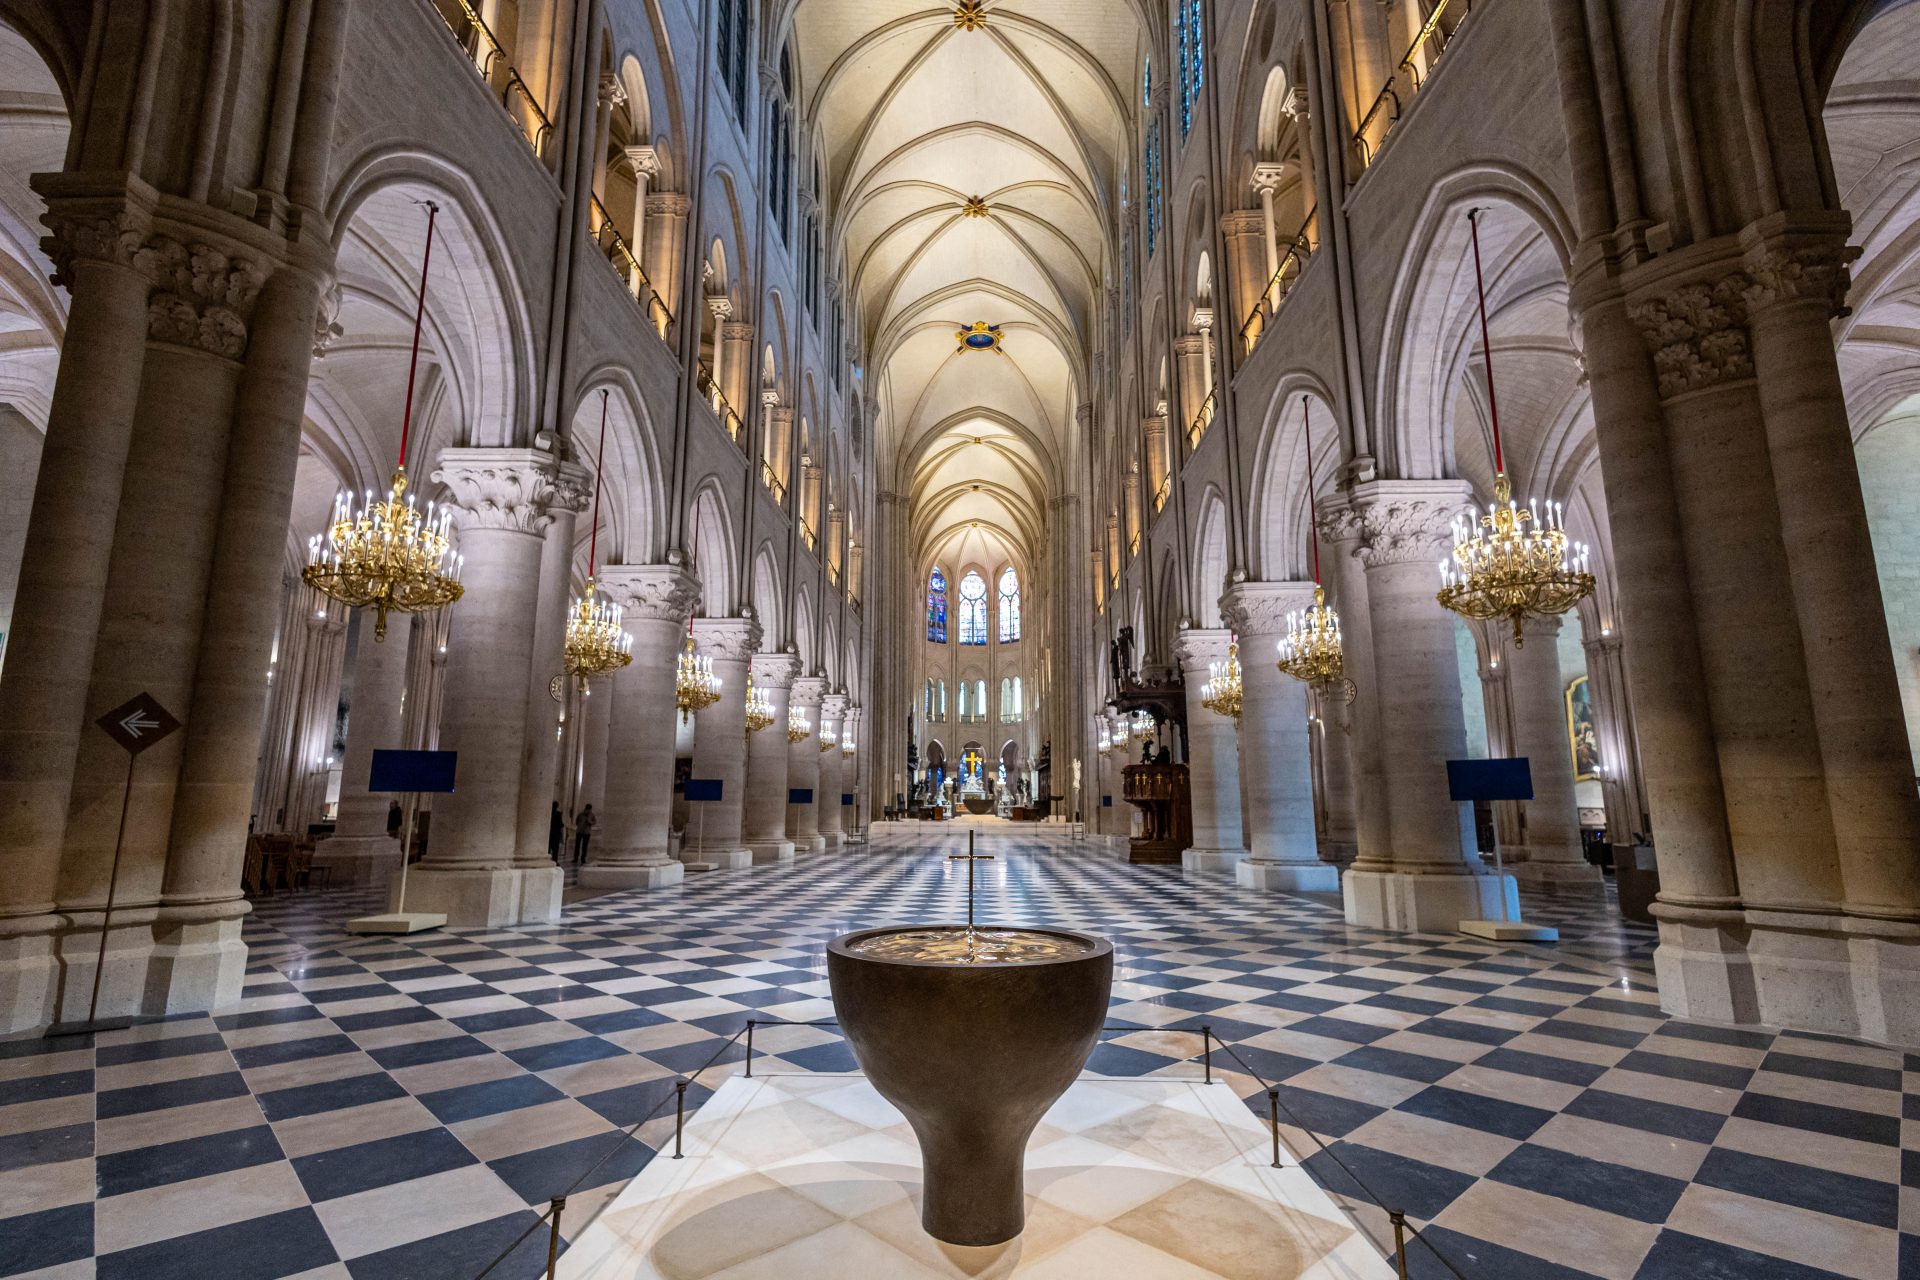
[[667, 204], [1340, 524], [1402, 521], [1196, 647], [326, 320], [1243, 222], [833, 706], [518, 490], [92, 236], [727, 639], [737, 331], [1697, 334], [656, 592], [1260, 609], [202, 296], [808, 691], [774, 670]]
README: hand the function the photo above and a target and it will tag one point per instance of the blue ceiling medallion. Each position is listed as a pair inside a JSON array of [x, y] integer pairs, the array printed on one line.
[[981, 337]]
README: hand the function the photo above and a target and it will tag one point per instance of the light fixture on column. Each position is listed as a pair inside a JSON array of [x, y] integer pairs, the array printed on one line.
[[846, 747], [759, 707], [1106, 737], [1140, 724], [799, 728], [1222, 692], [695, 687], [829, 739], [1312, 651], [388, 554], [595, 642], [1502, 571]]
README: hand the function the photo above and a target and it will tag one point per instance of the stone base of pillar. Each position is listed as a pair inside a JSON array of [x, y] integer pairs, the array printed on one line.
[[485, 897], [29, 975], [198, 960], [719, 859], [1561, 879], [770, 852], [1414, 903], [832, 842], [1211, 859], [815, 843], [1288, 877], [358, 859], [635, 875]]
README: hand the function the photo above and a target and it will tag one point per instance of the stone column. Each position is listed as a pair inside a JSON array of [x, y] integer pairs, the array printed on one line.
[[803, 768], [630, 850], [767, 755], [1213, 765], [1274, 746], [611, 93], [569, 492], [1266, 180], [667, 222], [833, 710], [1154, 428], [1431, 876], [852, 729], [741, 367], [720, 308], [1555, 862], [596, 710], [502, 499], [720, 745], [646, 163], [360, 851], [1190, 357], [1340, 838]]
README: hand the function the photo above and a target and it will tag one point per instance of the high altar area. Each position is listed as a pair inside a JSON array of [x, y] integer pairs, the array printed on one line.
[[533, 533]]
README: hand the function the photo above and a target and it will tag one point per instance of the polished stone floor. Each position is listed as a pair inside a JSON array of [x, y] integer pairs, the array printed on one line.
[[405, 1107]]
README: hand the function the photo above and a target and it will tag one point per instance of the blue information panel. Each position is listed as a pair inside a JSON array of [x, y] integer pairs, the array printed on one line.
[[412, 771], [799, 795], [703, 789], [1507, 779], [1106, 802], [846, 798]]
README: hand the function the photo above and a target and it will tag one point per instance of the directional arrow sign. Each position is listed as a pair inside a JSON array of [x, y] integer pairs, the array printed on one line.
[[138, 724]]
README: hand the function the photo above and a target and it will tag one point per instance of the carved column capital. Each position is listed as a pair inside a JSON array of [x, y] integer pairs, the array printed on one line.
[[645, 159], [727, 639], [1260, 609], [658, 592], [1407, 520], [1196, 647], [774, 670], [202, 294], [1697, 333], [808, 691], [1269, 175], [1779, 274], [833, 706], [518, 490]]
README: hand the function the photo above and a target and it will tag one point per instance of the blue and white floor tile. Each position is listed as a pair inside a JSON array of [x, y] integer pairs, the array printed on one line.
[[404, 1107]]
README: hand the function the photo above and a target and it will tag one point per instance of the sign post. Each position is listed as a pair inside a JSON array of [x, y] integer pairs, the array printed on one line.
[[1501, 779], [412, 774], [135, 726]]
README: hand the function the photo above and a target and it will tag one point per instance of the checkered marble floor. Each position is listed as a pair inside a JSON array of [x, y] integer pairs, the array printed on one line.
[[404, 1107]]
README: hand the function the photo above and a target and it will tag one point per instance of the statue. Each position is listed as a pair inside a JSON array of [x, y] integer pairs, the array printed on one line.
[[1125, 648], [1146, 752], [1165, 756]]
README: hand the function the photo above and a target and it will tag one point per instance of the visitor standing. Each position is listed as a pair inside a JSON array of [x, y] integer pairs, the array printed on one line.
[[583, 824], [556, 832]]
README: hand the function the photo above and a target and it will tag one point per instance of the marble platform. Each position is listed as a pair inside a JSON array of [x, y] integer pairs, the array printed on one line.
[[816, 1177]]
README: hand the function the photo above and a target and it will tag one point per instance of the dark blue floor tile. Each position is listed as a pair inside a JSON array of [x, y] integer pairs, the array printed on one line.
[[1359, 983], [1688, 1123], [1414, 1187], [45, 1146], [421, 1052], [1829, 1069], [1716, 1035], [1457, 1029], [268, 1017], [550, 1171], [1541, 1066], [1841, 1122], [1474, 1111], [1298, 1004], [501, 1020], [1555, 984], [1120, 1060], [1337, 1029], [1677, 1256], [1785, 1182], [696, 1054], [330, 1095], [564, 1053], [1483, 989], [1479, 1260], [1614, 1037], [1407, 1004], [35, 1047], [169, 1093], [1597, 1184], [1627, 1008], [280, 1244], [1718, 1074], [1269, 1065], [36, 1240], [340, 995], [119, 1055], [1322, 1113], [489, 1097], [836, 1055], [273, 1052], [345, 1170], [60, 1084], [385, 1018], [212, 1153], [1392, 1062], [1223, 1028], [1526, 1008]]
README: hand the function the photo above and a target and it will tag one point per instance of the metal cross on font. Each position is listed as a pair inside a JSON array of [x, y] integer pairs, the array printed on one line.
[[969, 857]]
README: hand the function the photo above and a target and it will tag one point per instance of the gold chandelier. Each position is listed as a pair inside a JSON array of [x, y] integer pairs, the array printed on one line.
[[799, 728], [1311, 650], [759, 707], [1502, 571], [1222, 693], [695, 687], [595, 643], [1106, 737], [829, 739], [386, 554], [846, 747]]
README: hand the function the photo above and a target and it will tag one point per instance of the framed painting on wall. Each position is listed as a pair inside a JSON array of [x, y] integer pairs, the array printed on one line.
[[1582, 739]]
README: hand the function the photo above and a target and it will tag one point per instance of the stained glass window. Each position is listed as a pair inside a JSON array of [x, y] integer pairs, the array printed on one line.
[[973, 609], [1192, 47], [1009, 606], [937, 606]]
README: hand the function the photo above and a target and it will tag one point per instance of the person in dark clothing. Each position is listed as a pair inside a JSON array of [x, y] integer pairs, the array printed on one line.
[[556, 832], [583, 824]]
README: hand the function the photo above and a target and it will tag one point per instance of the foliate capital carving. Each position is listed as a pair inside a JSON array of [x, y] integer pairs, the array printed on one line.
[[326, 320], [737, 331], [774, 670], [1268, 176], [657, 592], [518, 490], [1785, 275], [645, 159], [1258, 610], [833, 706], [1196, 648], [1340, 524], [808, 691], [1243, 223], [727, 639], [667, 204], [1407, 520], [91, 236], [1697, 333], [202, 296]]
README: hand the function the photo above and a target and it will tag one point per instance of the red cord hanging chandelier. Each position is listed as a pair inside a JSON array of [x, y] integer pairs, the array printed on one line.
[[595, 643], [1312, 651]]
